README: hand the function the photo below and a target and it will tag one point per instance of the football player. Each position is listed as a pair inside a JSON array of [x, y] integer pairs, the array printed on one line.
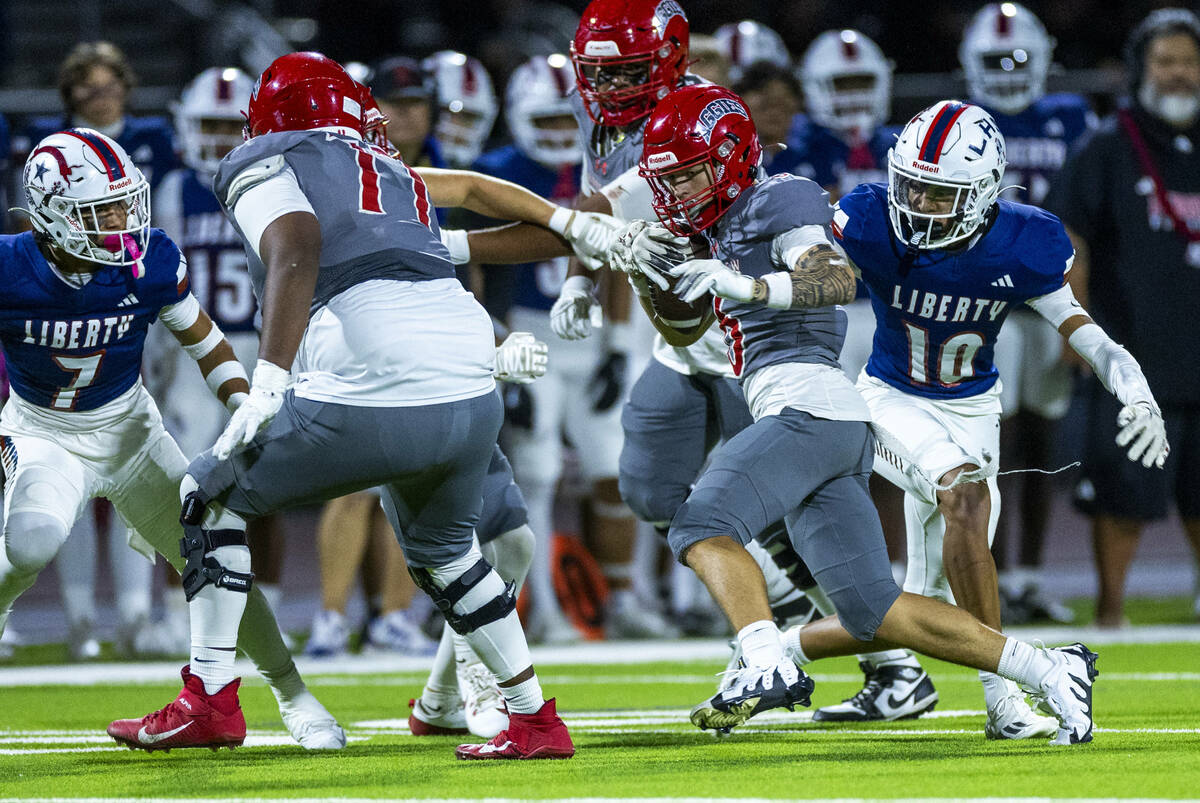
[[359, 294], [747, 43], [1006, 55], [466, 105], [775, 278], [82, 289]]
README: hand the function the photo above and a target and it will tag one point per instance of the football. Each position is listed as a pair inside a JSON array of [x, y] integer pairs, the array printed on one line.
[[669, 307]]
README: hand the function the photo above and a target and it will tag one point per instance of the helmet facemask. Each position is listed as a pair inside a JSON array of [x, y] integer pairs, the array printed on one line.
[[944, 211], [691, 196], [620, 88]]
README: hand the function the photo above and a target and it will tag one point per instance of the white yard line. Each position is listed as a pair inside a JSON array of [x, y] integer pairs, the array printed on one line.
[[592, 800]]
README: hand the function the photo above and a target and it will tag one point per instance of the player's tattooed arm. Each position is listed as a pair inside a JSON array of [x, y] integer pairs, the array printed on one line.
[[822, 277]]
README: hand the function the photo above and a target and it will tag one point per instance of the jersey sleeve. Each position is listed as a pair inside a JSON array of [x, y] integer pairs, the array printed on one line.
[[248, 164], [848, 225], [785, 202], [1046, 254], [167, 269]]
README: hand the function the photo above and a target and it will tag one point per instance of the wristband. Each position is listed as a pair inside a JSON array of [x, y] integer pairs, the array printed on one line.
[[560, 220], [779, 289], [458, 245]]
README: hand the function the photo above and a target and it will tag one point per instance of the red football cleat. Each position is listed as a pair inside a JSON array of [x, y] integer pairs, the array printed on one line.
[[193, 719], [540, 735]]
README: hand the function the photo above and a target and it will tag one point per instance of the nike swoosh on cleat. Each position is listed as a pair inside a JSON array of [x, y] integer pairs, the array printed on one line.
[[145, 737]]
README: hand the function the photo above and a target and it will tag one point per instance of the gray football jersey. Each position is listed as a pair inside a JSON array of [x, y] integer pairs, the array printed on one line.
[[609, 152], [375, 215], [756, 335]]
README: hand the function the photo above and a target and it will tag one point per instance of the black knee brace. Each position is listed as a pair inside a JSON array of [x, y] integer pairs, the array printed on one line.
[[200, 570], [446, 598]]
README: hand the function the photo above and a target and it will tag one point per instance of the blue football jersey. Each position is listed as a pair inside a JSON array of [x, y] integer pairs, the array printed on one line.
[[76, 348], [1037, 141], [187, 209], [149, 141], [535, 284], [937, 318]]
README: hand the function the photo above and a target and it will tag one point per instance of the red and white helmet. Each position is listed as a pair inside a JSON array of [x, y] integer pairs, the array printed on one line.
[[375, 122], [704, 127], [218, 94], [949, 161], [746, 42], [537, 92], [301, 91], [1006, 55], [628, 54], [467, 105], [70, 180], [847, 82]]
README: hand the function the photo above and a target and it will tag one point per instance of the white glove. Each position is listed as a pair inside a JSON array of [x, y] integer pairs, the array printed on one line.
[[456, 243], [576, 310], [699, 276], [266, 396], [590, 234], [648, 250], [521, 358], [1142, 425]]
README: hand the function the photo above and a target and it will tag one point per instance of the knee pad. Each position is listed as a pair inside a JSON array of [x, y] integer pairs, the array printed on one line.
[[199, 544], [468, 592], [31, 540]]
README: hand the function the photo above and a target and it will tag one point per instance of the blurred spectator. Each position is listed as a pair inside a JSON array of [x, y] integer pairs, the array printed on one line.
[[708, 59], [406, 94], [466, 105], [94, 82], [1130, 198], [1006, 55], [772, 94]]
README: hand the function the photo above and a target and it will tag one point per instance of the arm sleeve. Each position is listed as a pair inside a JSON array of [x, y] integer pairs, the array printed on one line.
[[1058, 306], [1114, 366], [262, 204]]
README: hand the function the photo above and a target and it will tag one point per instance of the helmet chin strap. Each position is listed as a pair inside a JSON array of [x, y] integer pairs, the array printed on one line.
[[911, 251]]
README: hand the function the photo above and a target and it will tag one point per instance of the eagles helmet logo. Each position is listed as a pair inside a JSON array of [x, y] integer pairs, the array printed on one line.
[[712, 114], [664, 12]]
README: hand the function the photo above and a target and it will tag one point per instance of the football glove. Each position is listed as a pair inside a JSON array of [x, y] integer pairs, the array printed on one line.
[[521, 358], [576, 310], [638, 254], [699, 276], [590, 234], [266, 397], [1142, 426], [606, 384]]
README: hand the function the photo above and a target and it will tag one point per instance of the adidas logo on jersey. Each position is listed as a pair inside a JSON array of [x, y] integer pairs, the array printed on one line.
[[1003, 281], [128, 301]]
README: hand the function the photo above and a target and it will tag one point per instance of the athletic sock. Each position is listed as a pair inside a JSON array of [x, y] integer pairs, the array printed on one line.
[[1024, 663], [995, 689], [215, 616], [761, 644], [525, 697], [792, 647]]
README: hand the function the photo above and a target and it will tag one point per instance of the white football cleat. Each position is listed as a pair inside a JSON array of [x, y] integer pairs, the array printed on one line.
[[891, 692], [1012, 718], [330, 635], [483, 702], [310, 723], [438, 719], [1066, 692], [627, 618]]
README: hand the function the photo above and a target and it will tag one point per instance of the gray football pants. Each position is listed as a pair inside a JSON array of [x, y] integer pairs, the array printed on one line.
[[430, 462], [811, 472]]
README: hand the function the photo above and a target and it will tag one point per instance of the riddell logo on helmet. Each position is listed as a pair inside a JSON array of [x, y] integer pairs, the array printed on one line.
[[116, 185], [714, 111], [661, 159], [928, 168]]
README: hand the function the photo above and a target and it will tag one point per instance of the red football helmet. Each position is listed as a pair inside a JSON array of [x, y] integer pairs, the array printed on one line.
[[300, 91], [700, 152], [627, 55]]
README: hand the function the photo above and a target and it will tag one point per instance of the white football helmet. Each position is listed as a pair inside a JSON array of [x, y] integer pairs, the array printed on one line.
[[88, 197], [467, 105], [1006, 55], [746, 42], [217, 94], [944, 174], [537, 91], [847, 82]]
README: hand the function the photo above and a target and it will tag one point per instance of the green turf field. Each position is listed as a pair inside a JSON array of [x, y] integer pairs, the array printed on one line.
[[630, 725]]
